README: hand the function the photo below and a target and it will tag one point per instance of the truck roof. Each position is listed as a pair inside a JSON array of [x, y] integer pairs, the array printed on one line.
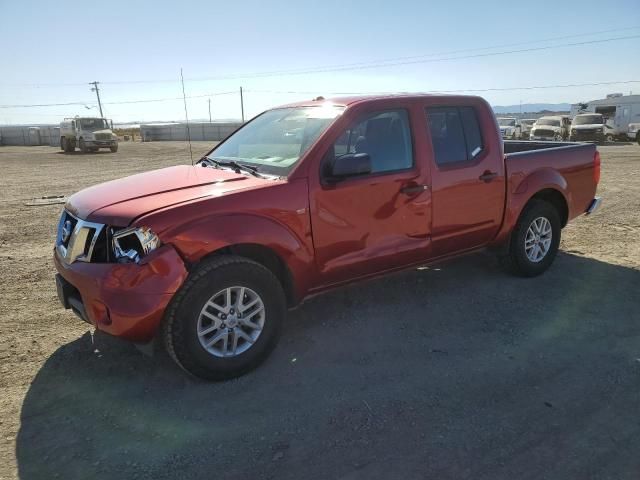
[[353, 99]]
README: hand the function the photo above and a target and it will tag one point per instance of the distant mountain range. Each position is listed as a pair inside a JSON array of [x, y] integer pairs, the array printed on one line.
[[532, 108]]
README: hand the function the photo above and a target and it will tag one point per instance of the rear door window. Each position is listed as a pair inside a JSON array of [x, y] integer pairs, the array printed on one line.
[[455, 134]]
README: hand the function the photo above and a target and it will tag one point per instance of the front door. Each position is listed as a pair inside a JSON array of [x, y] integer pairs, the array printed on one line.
[[378, 221]]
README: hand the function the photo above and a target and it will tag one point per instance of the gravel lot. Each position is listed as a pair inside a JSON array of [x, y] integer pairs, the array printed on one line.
[[458, 371]]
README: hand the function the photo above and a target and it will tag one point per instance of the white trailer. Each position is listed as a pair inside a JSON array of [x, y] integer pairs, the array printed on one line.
[[618, 110]]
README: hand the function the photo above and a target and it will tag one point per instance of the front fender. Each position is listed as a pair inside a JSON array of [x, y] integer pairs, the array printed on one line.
[[207, 235]]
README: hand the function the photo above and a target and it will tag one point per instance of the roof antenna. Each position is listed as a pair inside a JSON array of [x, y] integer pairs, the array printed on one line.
[[186, 115]]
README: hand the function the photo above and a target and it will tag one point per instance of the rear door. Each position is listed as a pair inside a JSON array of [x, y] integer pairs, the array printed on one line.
[[468, 178]]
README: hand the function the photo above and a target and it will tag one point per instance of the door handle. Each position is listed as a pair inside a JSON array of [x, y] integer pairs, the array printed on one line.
[[487, 176], [413, 189]]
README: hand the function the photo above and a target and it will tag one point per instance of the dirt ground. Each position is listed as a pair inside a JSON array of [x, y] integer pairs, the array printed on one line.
[[457, 371]]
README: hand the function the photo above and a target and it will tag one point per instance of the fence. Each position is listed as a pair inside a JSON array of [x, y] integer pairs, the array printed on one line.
[[26, 135], [178, 131]]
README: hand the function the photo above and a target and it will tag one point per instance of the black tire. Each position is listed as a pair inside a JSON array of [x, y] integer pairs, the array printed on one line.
[[69, 146], [114, 149], [515, 259], [610, 138], [83, 146], [638, 138], [62, 147], [179, 331]]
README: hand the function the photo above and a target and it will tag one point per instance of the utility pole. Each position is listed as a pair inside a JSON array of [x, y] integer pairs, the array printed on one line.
[[95, 89], [209, 110], [242, 104]]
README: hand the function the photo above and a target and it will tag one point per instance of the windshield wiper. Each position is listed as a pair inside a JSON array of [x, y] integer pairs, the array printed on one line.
[[233, 164]]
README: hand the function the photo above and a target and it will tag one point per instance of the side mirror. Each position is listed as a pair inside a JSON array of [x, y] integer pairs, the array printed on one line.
[[350, 165]]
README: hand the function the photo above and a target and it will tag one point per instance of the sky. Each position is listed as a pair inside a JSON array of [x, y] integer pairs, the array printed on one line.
[[52, 50]]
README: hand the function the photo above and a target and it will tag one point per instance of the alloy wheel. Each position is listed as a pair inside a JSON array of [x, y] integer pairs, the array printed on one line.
[[231, 321], [537, 241]]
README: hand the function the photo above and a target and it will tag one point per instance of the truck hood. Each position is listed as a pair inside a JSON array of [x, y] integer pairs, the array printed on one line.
[[546, 127], [588, 126], [119, 202]]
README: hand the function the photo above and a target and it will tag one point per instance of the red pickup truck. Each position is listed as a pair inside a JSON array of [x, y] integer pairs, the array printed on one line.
[[304, 198]]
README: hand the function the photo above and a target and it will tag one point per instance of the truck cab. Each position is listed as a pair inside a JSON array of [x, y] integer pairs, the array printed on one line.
[[88, 133]]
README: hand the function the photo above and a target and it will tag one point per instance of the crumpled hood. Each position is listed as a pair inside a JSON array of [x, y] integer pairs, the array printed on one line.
[[121, 201]]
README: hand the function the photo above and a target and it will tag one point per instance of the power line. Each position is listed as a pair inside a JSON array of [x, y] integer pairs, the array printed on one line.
[[531, 87], [315, 92], [378, 64], [389, 62], [151, 100]]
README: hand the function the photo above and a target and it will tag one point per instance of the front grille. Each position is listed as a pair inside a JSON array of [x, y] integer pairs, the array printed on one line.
[[77, 239], [103, 136], [539, 132]]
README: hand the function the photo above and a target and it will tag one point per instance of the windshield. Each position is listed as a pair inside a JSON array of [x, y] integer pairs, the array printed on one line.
[[588, 120], [527, 122], [93, 123], [275, 141], [552, 122], [507, 122]]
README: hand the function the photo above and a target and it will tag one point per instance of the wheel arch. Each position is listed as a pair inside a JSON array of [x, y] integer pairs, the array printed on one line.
[[266, 257], [545, 184], [555, 198]]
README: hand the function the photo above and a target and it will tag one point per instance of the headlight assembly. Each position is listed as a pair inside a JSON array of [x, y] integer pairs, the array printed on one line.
[[132, 244]]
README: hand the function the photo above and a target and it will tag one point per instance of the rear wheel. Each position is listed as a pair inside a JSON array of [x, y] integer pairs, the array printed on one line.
[[534, 241], [62, 147], [226, 319]]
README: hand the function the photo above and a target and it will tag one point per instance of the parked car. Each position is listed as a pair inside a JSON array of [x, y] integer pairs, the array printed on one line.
[[588, 127], [207, 259], [634, 132], [509, 128], [525, 127], [550, 128]]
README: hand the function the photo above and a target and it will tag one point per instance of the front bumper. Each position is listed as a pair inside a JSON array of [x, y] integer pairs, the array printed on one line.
[[543, 138], [588, 137], [126, 300], [101, 143]]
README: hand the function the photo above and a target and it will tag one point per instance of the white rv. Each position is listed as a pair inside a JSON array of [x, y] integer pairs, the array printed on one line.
[[617, 109]]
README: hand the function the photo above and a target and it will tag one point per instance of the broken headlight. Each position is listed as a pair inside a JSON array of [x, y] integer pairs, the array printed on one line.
[[132, 244]]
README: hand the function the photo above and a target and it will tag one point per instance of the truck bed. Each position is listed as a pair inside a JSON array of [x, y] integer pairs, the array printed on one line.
[[571, 165]]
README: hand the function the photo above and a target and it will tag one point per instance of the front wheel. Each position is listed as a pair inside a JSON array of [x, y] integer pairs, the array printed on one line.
[[226, 318], [83, 146], [558, 138], [534, 241], [610, 138], [114, 148], [638, 138]]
